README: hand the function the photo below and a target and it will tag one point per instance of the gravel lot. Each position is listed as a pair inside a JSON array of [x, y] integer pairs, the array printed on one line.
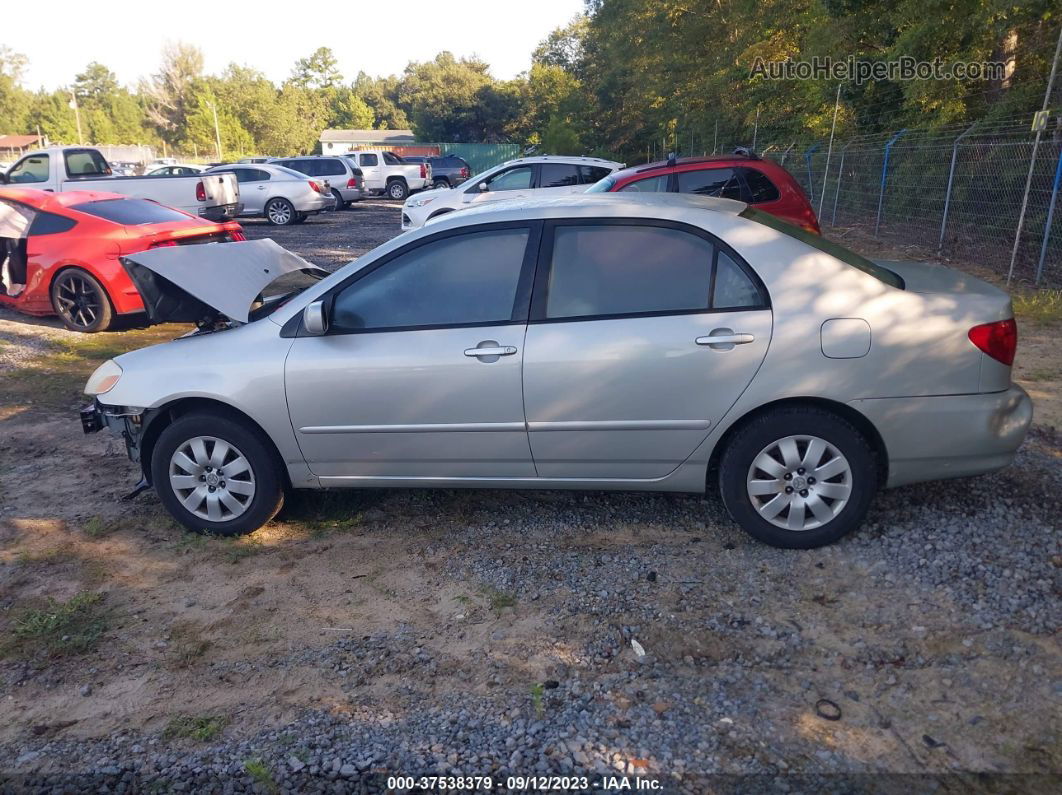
[[369, 634]]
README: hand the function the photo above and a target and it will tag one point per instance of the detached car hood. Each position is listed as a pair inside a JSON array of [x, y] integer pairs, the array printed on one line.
[[196, 283]]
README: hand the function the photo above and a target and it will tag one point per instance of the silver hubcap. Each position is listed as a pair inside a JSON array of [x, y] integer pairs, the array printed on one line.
[[211, 478], [799, 482], [279, 213], [396, 190]]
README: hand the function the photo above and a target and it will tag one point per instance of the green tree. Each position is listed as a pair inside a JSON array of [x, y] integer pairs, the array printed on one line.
[[319, 71], [560, 139], [380, 94]]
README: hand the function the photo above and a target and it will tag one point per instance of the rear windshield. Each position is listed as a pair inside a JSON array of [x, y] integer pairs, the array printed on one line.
[[130, 212], [602, 185], [826, 246]]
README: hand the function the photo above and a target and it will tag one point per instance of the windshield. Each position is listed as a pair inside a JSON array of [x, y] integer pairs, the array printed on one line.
[[602, 185], [282, 290], [835, 250]]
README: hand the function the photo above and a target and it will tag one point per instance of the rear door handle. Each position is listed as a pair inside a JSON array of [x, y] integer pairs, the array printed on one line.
[[724, 339], [499, 350]]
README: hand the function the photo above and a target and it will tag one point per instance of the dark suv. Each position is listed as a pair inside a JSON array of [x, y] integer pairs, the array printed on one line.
[[344, 177], [447, 171], [742, 176]]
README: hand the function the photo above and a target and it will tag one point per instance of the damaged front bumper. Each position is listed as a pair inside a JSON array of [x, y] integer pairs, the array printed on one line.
[[125, 421]]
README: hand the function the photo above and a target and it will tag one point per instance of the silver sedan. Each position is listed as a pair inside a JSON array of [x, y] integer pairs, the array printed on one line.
[[657, 342], [281, 195]]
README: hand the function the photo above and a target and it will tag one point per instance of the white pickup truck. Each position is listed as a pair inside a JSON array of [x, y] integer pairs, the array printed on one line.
[[215, 197], [387, 173]]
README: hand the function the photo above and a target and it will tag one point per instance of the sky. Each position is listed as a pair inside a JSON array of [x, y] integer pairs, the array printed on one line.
[[377, 38]]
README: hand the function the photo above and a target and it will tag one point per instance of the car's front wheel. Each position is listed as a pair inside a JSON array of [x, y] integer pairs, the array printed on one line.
[[798, 477], [216, 474], [280, 212]]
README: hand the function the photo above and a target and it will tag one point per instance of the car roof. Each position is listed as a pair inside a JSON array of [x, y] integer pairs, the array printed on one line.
[[733, 158], [577, 159], [589, 205]]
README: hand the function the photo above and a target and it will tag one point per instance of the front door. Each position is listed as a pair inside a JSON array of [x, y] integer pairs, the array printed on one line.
[[419, 375], [642, 335], [511, 183]]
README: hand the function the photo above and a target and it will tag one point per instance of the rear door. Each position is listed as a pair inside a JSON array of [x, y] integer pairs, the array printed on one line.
[[723, 183], [558, 179], [622, 378]]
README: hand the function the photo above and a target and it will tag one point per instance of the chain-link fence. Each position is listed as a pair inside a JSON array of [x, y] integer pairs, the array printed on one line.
[[958, 192]]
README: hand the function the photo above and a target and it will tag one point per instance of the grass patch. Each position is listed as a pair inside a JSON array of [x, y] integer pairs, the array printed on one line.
[[537, 691], [187, 643], [499, 600], [1042, 375], [56, 377], [236, 549], [261, 774], [201, 728], [325, 513], [27, 557], [98, 527], [58, 628], [1038, 307]]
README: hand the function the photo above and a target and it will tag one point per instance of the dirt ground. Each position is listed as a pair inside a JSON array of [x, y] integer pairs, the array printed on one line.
[[115, 620]]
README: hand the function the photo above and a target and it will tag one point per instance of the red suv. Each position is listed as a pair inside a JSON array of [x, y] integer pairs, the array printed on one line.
[[742, 176]]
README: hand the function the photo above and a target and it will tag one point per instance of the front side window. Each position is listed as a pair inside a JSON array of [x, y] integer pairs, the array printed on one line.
[[610, 270], [647, 185], [462, 280], [32, 169], [518, 178], [558, 175], [86, 163], [369, 160], [720, 182]]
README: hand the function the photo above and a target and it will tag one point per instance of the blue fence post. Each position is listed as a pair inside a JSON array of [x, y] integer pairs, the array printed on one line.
[[811, 180], [884, 177], [947, 194], [1050, 218], [837, 190]]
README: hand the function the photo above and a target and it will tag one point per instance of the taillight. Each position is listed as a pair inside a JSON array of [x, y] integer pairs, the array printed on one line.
[[423, 171], [315, 186], [237, 234], [352, 182], [999, 340], [200, 192], [164, 244], [464, 173]]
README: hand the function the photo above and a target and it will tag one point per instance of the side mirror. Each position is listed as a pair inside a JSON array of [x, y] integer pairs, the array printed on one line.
[[3, 178], [315, 319], [483, 187]]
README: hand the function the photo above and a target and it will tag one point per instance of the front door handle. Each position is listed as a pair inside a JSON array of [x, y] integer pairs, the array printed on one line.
[[494, 350], [724, 339]]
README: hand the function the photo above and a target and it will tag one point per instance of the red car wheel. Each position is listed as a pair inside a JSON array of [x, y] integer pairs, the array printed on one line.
[[80, 301]]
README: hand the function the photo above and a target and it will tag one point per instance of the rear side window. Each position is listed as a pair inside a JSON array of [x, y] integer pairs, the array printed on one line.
[[647, 185], [588, 175], [251, 175], [826, 246], [463, 280], [130, 212], [331, 168], [369, 160], [558, 175], [86, 163], [761, 189], [392, 159], [719, 182], [610, 270], [51, 224]]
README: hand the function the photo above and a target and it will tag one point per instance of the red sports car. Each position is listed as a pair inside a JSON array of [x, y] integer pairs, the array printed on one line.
[[59, 251]]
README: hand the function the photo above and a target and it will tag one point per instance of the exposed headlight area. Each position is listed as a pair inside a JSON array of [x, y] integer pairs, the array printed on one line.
[[104, 379], [420, 201]]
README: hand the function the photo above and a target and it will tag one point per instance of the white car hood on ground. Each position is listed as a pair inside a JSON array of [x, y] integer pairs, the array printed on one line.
[[226, 277]]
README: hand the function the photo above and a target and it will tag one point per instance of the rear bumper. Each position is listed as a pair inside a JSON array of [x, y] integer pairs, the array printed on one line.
[[350, 194], [221, 212], [951, 436]]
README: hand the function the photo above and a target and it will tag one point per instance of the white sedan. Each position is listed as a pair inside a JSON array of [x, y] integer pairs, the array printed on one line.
[[284, 196], [526, 178], [176, 170]]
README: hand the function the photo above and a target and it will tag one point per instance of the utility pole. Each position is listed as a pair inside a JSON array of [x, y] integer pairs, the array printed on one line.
[[829, 151], [217, 130], [77, 117], [1032, 162], [756, 128]]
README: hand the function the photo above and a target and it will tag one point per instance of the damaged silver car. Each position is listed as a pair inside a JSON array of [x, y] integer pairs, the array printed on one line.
[[653, 342]]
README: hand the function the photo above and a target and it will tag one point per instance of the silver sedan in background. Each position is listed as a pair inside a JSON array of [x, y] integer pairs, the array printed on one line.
[[281, 195], [658, 342]]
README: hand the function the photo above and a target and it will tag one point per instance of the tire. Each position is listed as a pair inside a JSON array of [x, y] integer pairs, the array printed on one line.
[[769, 503], [280, 212], [196, 437], [80, 301], [397, 189], [340, 204], [440, 183]]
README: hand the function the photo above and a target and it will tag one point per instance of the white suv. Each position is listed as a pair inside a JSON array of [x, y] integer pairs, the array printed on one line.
[[542, 176]]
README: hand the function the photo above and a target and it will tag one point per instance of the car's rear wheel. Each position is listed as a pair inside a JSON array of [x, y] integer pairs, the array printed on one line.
[[340, 204], [300, 218], [279, 212], [442, 182], [80, 301], [798, 477], [397, 189], [216, 474]]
